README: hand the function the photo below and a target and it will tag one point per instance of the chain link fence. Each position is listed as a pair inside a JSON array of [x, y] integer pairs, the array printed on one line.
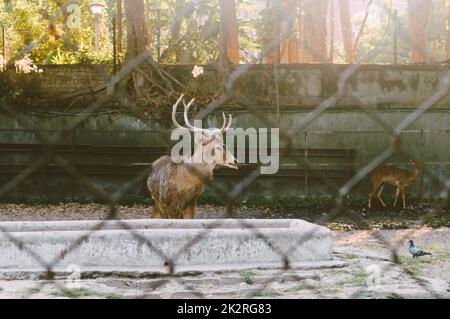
[[157, 84]]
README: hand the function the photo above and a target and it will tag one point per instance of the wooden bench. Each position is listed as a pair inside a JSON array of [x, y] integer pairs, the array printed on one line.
[[130, 160]]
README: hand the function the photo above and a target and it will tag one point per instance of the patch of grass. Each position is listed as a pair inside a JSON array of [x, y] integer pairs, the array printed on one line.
[[414, 265], [301, 287], [406, 260], [357, 279], [317, 277], [248, 277], [32, 290], [1, 289], [416, 270], [73, 293], [82, 292], [112, 295], [267, 293], [444, 255], [329, 290], [394, 295], [368, 294], [351, 256]]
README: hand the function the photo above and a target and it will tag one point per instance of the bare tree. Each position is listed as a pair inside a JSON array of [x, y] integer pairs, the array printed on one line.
[[229, 41], [313, 34], [419, 16], [346, 27]]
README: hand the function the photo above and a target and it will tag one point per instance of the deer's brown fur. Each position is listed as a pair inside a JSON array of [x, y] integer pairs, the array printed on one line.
[[175, 188], [388, 174]]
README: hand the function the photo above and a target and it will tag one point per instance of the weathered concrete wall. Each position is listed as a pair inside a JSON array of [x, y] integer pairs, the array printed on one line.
[[300, 85], [63, 81]]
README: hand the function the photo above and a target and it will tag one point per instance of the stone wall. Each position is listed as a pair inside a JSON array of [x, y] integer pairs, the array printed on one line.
[[67, 80], [302, 85]]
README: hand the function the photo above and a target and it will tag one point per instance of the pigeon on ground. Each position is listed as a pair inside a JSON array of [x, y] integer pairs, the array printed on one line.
[[416, 252]]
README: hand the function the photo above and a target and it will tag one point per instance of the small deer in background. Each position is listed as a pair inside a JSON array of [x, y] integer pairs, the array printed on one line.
[[395, 176]]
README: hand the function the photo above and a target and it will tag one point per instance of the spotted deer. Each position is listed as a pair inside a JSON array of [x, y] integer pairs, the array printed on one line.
[[388, 174], [176, 187]]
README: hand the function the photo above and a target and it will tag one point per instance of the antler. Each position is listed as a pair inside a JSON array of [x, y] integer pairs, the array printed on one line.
[[186, 119], [190, 127], [186, 108], [174, 112], [224, 128]]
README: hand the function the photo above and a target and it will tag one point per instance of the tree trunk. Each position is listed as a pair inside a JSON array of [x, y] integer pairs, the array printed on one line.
[[332, 32], [273, 47], [229, 41], [313, 35], [119, 20], [289, 51], [346, 27], [289, 47], [419, 16], [138, 35]]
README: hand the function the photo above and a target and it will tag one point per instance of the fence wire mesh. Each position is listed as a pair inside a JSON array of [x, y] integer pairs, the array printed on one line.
[[150, 83]]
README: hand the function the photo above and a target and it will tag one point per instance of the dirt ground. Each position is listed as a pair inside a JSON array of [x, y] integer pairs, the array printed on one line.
[[354, 217], [366, 251]]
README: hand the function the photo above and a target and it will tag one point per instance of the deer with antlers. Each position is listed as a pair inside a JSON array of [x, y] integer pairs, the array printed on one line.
[[388, 174], [176, 187]]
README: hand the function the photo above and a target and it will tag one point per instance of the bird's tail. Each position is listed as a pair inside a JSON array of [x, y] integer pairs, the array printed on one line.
[[424, 253]]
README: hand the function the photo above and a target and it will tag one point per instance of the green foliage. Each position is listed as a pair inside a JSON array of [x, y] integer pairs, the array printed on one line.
[[73, 293], [189, 31], [43, 27], [20, 89], [248, 277], [82, 292]]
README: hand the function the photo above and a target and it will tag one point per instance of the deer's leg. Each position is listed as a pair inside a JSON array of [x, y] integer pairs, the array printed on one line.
[[188, 212], [156, 212], [397, 192], [403, 197], [375, 185], [379, 195]]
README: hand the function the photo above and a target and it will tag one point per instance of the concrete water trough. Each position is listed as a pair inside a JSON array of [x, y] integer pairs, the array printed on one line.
[[162, 246]]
